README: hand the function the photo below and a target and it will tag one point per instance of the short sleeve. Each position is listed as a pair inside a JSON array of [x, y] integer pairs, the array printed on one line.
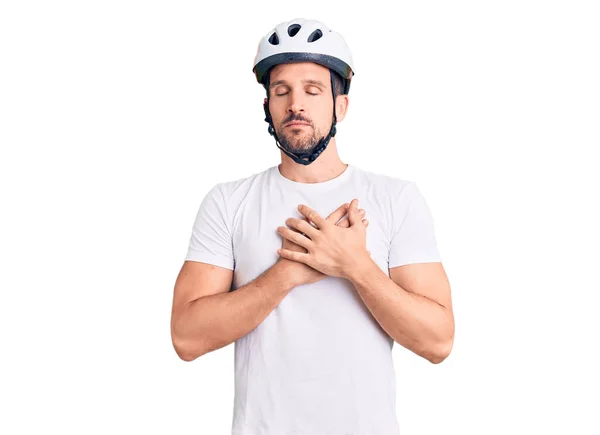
[[413, 237], [211, 240]]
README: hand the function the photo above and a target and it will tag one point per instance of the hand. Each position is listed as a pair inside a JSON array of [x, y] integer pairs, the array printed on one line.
[[330, 249], [302, 273]]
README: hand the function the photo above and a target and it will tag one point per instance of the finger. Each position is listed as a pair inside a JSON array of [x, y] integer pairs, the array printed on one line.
[[353, 214], [295, 237], [313, 216], [294, 256], [337, 214], [344, 223], [305, 219], [366, 222], [302, 226]]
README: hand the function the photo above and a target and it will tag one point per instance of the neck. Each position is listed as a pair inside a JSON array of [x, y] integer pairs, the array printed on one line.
[[327, 166]]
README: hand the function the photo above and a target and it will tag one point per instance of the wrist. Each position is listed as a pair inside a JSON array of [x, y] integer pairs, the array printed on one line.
[[359, 268], [283, 275]]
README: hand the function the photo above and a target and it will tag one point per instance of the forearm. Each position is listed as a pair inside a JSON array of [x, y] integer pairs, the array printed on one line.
[[212, 322], [414, 321]]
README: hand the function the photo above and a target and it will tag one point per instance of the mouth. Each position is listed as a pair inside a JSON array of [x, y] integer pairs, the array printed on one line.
[[297, 124]]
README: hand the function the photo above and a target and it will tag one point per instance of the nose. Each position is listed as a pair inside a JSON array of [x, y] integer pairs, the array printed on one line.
[[296, 103]]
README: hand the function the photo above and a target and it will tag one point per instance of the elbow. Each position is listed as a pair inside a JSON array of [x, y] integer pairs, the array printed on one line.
[[184, 351], [437, 359], [441, 352], [185, 356], [186, 348], [443, 346]]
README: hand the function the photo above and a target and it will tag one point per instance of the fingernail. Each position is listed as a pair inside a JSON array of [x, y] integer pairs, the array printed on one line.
[[362, 212]]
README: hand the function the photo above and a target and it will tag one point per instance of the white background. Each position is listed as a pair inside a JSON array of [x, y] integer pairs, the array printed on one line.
[[117, 117]]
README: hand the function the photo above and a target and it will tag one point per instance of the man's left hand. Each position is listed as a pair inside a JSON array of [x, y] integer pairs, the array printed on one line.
[[332, 250]]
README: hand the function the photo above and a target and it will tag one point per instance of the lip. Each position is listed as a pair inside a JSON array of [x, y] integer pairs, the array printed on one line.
[[291, 124]]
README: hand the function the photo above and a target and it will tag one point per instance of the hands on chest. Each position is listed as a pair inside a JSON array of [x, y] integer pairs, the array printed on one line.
[[315, 247]]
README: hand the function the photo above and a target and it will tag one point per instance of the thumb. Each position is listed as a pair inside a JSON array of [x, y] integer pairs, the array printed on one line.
[[353, 215]]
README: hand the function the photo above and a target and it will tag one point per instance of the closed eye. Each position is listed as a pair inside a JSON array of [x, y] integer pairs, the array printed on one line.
[[285, 93]]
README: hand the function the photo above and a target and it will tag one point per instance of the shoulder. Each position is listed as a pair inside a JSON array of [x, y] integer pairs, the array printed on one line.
[[389, 185], [234, 191]]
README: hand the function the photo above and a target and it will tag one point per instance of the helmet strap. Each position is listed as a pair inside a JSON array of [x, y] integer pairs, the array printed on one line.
[[308, 157]]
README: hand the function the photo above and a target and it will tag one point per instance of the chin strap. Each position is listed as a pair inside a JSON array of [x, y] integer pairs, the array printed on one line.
[[308, 157]]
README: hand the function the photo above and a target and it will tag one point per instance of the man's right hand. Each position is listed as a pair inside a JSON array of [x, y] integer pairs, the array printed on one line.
[[301, 273]]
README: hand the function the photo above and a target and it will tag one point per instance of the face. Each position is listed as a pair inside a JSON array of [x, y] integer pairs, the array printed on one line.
[[301, 93]]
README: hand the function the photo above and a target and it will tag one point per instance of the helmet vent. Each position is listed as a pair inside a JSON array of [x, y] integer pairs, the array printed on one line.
[[315, 35], [293, 29], [274, 39]]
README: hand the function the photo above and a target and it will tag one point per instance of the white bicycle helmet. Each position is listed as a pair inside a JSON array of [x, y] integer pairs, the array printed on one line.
[[302, 40]]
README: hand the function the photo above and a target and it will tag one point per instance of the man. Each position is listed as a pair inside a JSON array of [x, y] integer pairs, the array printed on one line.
[[313, 300]]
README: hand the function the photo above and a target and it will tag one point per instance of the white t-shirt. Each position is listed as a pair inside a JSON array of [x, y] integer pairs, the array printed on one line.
[[319, 363]]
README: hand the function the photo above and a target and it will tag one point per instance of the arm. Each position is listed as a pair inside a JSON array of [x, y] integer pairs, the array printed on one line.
[[413, 305], [206, 316]]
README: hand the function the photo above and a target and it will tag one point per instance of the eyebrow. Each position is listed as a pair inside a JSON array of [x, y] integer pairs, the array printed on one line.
[[307, 81]]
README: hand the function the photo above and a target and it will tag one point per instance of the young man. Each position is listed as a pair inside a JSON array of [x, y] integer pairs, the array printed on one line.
[[313, 300]]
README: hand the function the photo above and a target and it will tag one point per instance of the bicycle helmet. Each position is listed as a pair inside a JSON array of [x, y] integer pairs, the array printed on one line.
[[302, 40]]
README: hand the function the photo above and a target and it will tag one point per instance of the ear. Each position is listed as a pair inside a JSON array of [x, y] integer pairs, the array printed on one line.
[[341, 107]]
